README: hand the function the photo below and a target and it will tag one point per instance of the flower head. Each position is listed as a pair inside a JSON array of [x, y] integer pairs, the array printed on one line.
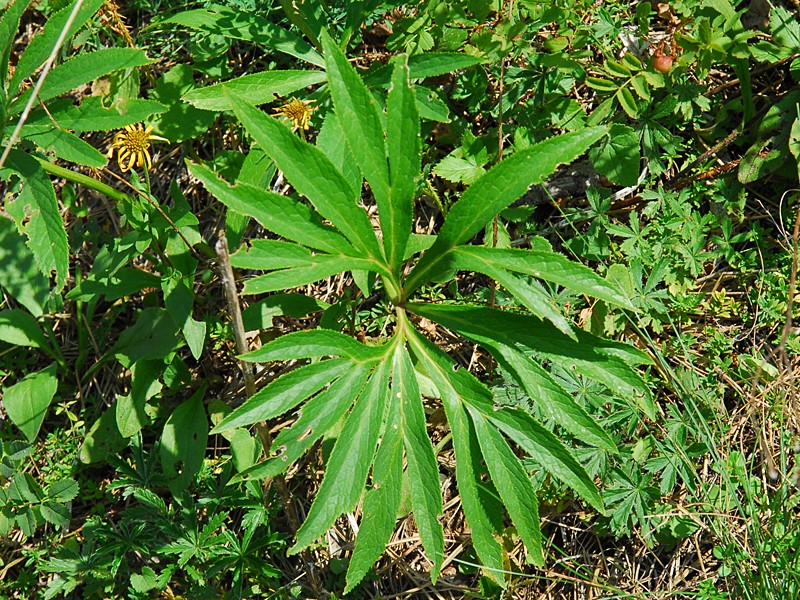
[[298, 112], [133, 145]]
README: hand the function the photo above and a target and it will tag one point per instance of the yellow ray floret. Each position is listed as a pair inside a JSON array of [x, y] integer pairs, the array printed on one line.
[[133, 145]]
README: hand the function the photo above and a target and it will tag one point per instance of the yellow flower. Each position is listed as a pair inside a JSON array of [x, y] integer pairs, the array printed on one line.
[[298, 112], [134, 143]]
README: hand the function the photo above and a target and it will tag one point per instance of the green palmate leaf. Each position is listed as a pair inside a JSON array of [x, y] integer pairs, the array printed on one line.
[[40, 47], [403, 145], [250, 27], [284, 393], [319, 267], [423, 471], [183, 443], [26, 401], [92, 115], [549, 266], [551, 398], [350, 461], [82, 69], [356, 106], [317, 416], [439, 368], [512, 483], [496, 190], [37, 205], [382, 500], [313, 175], [279, 214], [313, 344], [256, 89]]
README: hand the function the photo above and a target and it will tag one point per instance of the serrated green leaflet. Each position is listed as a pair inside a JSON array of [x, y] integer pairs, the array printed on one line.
[[8, 29], [350, 461], [423, 471], [312, 174], [92, 114], [279, 214], [317, 416], [356, 106], [318, 267], [40, 47], [512, 483], [548, 266], [382, 499], [250, 27], [312, 344], [268, 255], [284, 393], [403, 145], [37, 204]]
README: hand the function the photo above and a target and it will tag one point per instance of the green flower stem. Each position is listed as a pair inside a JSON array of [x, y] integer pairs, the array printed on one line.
[[84, 180]]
